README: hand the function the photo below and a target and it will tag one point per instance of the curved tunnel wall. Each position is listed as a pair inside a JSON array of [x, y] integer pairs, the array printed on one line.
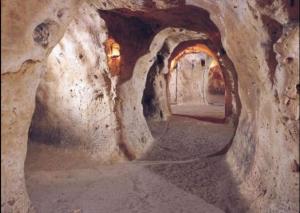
[[253, 157]]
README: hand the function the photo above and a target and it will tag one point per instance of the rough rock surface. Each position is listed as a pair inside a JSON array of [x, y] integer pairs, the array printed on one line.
[[16, 118], [77, 92], [260, 37], [259, 152]]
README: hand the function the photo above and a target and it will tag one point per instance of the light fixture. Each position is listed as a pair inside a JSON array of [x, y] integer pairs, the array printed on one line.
[[112, 48], [113, 53], [115, 50]]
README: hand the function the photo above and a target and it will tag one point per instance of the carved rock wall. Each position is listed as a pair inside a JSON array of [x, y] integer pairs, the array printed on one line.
[[260, 37]]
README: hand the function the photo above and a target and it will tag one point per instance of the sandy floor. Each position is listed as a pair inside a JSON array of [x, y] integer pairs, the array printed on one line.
[[199, 110], [215, 109], [174, 176]]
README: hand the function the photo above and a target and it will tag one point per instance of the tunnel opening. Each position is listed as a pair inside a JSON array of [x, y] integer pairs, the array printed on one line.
[[195, 89], [180, 137], [91, 89], [204, 86], [86, 103]]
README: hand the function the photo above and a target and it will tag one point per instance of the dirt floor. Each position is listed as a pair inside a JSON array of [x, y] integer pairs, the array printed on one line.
[[174, 176], [215, 109]]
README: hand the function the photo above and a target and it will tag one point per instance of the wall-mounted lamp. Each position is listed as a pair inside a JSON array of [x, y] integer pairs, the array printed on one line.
[[115, 50]]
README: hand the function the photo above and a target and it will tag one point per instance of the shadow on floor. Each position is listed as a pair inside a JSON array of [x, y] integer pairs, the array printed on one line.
[[208, 178], [64, 180]]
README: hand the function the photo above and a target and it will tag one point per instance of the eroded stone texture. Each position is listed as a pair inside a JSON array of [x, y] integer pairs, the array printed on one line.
[[30, 29], [77, 92], [259, 152], [18, 89], [265, 147], [23, 55]]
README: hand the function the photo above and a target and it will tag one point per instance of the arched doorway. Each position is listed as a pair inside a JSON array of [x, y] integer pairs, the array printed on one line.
[[196, 86]]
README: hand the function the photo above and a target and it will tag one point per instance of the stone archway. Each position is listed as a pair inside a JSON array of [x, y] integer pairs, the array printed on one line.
[[257, 155], [197, 47]]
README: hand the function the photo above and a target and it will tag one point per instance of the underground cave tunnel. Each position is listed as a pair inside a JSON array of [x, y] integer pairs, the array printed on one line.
[[193, 86], [150, 106]]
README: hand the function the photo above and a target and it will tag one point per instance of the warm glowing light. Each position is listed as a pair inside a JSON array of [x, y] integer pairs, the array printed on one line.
[[213, 63], [192, 49], [112, 48], [113, 52]]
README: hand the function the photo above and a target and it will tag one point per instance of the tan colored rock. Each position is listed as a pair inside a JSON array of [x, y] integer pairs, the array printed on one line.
[[260, 39], [77, 91], [18, 95], [22, 22]]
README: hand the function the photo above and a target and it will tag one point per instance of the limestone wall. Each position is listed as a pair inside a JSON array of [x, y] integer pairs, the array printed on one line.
[[77, 91], [259, 153], [260, 37]]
